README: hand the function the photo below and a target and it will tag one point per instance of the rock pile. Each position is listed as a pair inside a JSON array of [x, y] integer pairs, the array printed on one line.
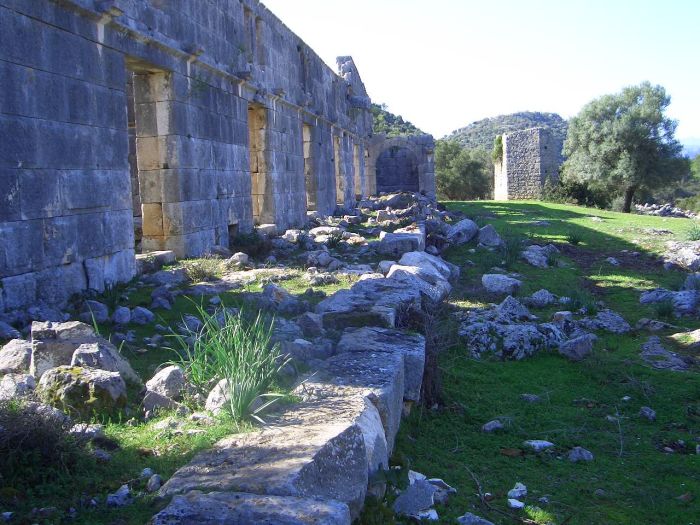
[[664, 210]]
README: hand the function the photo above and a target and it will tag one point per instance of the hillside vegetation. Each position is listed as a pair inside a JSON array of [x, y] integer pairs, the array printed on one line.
[[482, 133], [390, 124]]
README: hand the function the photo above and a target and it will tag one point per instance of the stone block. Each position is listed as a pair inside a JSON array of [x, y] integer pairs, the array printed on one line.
[[326, 461], [19, 291], [215, 508]]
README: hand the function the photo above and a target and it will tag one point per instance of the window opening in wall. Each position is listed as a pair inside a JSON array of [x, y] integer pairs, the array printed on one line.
[[232, 233], [339, 182], [257, 137], [260, 41], [309, 175], [249, 24]]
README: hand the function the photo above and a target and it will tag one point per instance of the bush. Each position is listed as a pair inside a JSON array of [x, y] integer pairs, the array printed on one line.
[[35, 446], [334, 239], [575, 192], [689, 203], [204, 269], [230, 346], [254, 244]]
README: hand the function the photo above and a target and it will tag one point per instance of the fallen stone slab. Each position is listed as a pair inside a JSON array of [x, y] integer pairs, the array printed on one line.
[[417, 278], [326, 461], [462, 232], [405, 240], [382, 340], [373, 302], [15, 357], [377, 375], [217, 508], [424, 260], [53, 344]]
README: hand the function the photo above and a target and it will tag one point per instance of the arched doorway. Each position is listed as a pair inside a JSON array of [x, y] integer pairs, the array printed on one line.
[[397, 170]]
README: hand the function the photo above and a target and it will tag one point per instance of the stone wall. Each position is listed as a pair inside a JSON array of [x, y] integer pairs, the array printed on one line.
[[179, 115], [404, 163], [530, 158]]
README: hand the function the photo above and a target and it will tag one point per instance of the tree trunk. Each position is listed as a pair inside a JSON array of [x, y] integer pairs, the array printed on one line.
[[629, 194]]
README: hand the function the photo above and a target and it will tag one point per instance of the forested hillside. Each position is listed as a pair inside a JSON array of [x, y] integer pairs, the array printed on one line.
[[482, 133], [390, 124]]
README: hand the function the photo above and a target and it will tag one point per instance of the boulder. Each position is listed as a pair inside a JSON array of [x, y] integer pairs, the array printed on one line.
[[82, 391], [216, 508], [13, 386], [647, 413], [492, 426], [542, 298], [15, 357], [538, 445], [53, 344], [431, 264], [94, 312], [607, 320], [142, 316], [419, 496], [512, 309], [488, 236], [430, 284], [472, 519], [311, 324], [8, 332], [462, 232], [654, 354], [169, 382], [218, 397], [539, 256], [579, 348], [121, 315], [384, 266], [104, 355], [578, 454], [500, 284]]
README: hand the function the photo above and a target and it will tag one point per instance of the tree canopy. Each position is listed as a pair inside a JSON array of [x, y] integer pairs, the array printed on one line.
[[625, 142], [462, 173]]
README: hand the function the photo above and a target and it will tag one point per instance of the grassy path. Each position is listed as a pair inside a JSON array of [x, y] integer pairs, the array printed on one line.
[[631, 480]]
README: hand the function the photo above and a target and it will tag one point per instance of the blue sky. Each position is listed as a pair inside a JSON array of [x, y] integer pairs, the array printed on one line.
[[446, 63]]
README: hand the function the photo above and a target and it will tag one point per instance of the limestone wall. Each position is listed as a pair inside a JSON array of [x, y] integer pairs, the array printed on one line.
[[199, 70], [530, 158]]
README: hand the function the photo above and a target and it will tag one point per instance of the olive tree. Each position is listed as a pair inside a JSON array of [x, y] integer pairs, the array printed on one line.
[[625, 142]]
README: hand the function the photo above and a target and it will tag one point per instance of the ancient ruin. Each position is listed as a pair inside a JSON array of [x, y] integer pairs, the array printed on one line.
[[141, 126], [530, 158]]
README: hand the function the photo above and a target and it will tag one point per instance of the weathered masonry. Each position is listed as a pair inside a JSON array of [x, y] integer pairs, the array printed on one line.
[[530, 158], [402, 163], [131, 125]]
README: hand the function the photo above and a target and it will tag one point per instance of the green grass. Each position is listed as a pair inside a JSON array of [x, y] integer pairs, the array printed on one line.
[[640, 483]]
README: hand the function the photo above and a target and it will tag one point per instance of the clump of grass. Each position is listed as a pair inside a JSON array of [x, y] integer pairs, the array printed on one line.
[[236, 348], [582, 300], [204, 269], [574, 238], [553, 259], [35, 446], [511, 250], [694, 232], [664, 309], [334, 239]]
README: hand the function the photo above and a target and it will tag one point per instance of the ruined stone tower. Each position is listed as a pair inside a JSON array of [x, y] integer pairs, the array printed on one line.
[[530, 158]]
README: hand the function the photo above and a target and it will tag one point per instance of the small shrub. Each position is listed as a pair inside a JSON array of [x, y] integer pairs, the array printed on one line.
[[664, 309], [233, 347], [204, 269], [694, 232], [574, 238], [35, 446], [254, 244]]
